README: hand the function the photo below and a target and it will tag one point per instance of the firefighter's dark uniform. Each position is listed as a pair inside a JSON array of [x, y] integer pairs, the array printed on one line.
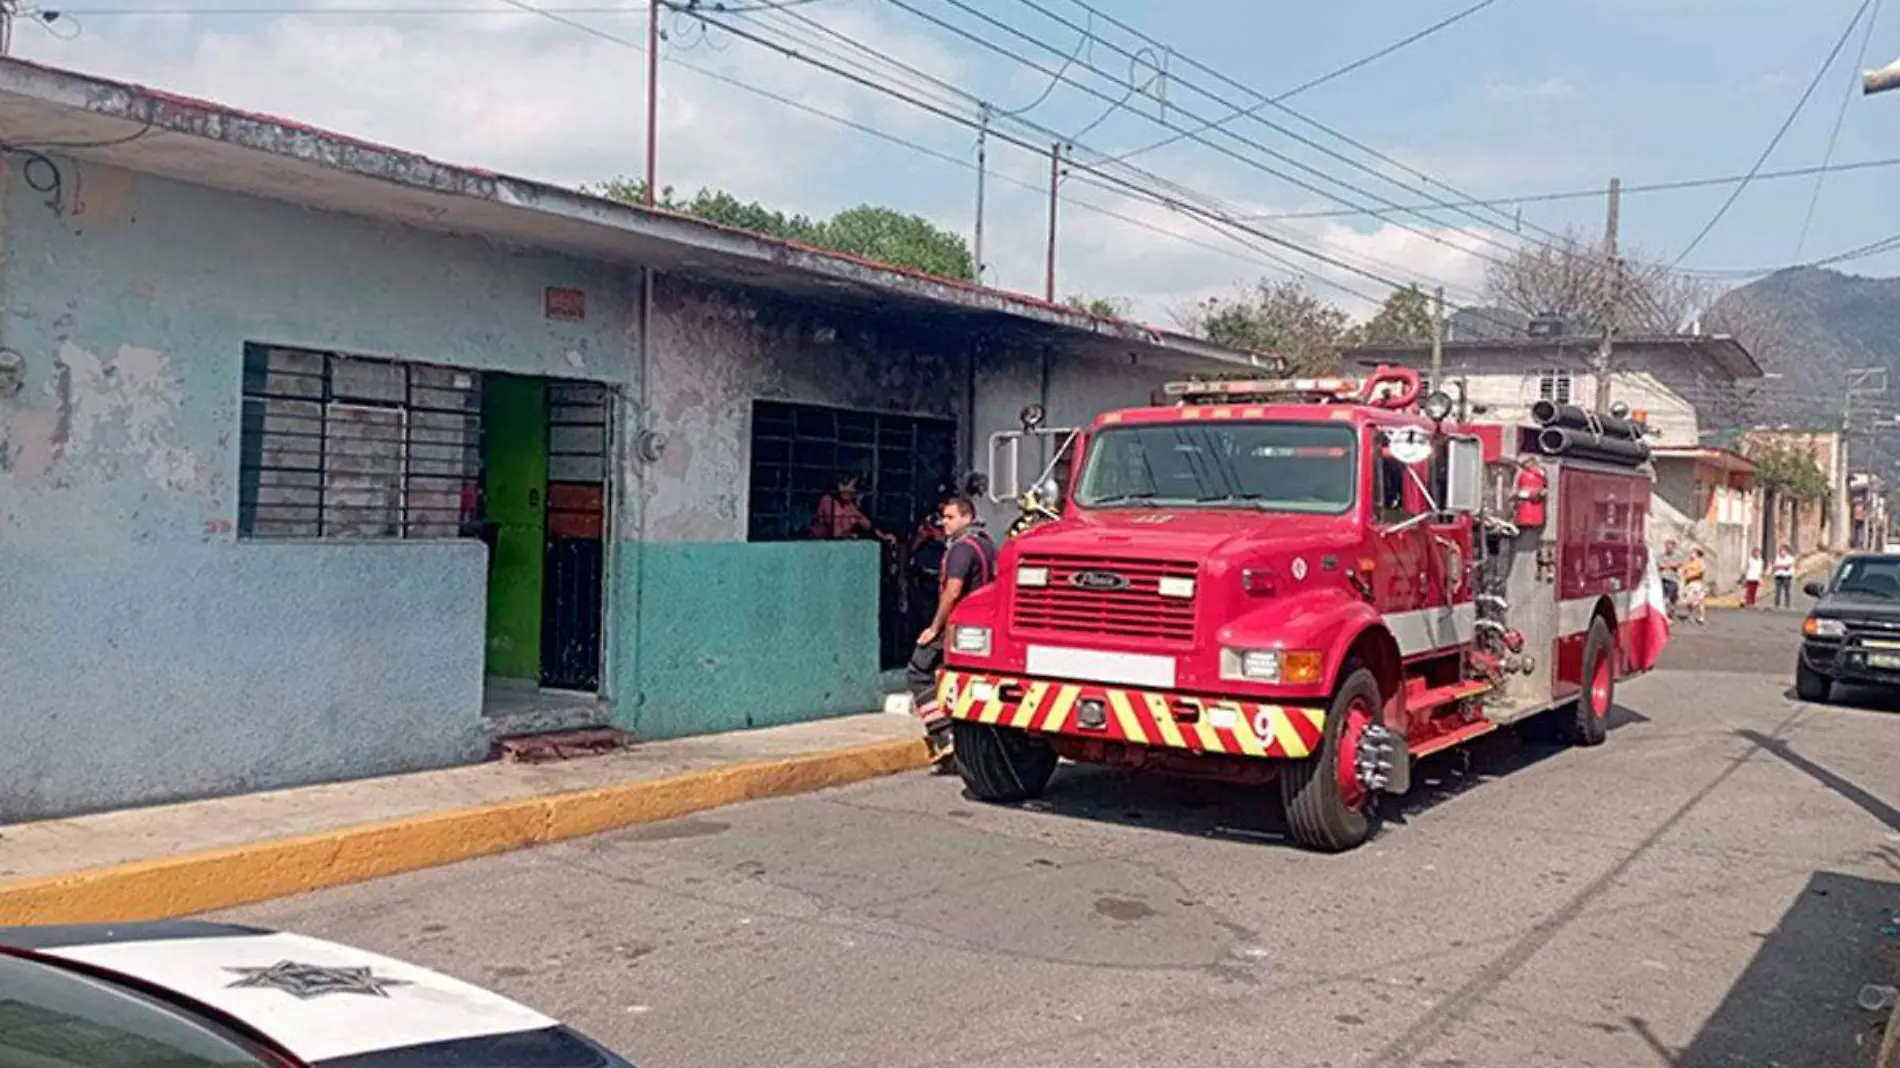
[[972, 558]]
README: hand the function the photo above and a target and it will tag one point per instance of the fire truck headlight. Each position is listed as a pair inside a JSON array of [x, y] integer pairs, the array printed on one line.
[[972, 640], [1271, 665], [1175, 586], [1250, 665], [1032, 576], [1824, 628]]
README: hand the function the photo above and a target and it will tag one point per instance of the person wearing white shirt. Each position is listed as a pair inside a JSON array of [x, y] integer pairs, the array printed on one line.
[[1751, 578], [1784, 578]]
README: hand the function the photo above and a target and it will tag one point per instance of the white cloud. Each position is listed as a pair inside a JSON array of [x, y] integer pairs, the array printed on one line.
[[1552, 88]]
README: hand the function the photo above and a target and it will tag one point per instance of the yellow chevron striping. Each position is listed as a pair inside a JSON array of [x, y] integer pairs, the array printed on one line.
[[1210, 740], [1290, 742], [993, 707], [1315, 717], [1250, 743], [1026, 712], [945, 681], [1164, 721], [1059, 709], [1125, 715]]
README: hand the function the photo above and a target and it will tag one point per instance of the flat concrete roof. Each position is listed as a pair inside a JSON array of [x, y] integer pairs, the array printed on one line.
[[1720, 349], [49, 109]]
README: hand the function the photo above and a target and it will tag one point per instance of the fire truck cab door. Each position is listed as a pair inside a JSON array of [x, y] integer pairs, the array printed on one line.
[[1401, 532]]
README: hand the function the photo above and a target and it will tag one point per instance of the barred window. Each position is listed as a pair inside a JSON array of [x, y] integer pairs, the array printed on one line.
[[337, 446], [1554, 386]]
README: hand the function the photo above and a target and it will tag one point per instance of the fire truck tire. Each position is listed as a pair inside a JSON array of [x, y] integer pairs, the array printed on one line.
[[1587, 722], [1001, 764], [1322, 812]]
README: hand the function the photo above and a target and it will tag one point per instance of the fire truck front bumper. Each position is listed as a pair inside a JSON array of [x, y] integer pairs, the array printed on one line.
[[1197, 724]]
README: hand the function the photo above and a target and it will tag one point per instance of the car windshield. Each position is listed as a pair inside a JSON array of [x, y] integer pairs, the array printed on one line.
[[52, 1018], [1873, 577], [1282, 467]]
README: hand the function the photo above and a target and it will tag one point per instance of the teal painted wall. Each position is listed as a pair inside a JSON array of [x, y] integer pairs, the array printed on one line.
[[734, 635]]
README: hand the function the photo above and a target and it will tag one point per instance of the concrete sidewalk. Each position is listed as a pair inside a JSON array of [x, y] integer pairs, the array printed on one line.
[[173, 860]]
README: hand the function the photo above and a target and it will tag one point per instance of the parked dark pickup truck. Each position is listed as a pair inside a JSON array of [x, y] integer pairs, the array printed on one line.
[[1853, 633]]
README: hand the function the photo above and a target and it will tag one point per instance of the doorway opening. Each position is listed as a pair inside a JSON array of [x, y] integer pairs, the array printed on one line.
[[904, 465], [544, 506]]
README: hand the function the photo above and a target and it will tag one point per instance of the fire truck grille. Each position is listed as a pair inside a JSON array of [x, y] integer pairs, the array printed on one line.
[[1105, 596]]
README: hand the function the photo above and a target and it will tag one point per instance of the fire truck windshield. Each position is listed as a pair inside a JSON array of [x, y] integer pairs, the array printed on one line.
[[1279, 467]]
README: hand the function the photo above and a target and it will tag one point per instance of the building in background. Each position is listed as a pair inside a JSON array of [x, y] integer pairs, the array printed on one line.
[[1804, 520], [1705, 494], [332, 460]]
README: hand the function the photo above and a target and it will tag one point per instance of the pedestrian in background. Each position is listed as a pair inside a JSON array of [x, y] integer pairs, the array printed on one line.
[[1669, 567], [1784, 577], [1695, 585], [1751, 578]]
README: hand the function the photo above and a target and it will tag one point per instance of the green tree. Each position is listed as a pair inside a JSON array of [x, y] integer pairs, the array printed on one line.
[[1787, 469], [1404, 319], [1277, 318], [875, 233], [1101, 307], [892, 237]]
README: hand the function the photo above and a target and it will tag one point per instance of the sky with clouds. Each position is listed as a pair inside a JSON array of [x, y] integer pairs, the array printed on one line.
[[1521, 98]]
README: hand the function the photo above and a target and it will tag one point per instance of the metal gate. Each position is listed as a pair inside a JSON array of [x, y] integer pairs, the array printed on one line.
[[576, 537]]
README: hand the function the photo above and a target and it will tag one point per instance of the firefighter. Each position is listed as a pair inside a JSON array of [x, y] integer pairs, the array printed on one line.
[[969, 564]]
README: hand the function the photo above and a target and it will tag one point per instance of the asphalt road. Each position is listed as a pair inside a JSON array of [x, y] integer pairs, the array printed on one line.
[[1706, 889]]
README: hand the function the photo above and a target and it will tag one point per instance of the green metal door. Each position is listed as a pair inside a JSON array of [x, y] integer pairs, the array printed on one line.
[[515, 485]]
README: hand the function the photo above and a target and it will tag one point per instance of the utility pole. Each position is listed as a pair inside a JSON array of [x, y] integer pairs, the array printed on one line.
[[653, 99], [1612, 279], [1055, 176], [982, 171], [1438, 338], [6, 27], [1841, 539]]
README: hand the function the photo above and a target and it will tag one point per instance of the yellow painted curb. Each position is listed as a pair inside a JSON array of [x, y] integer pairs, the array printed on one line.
[[220, 878]]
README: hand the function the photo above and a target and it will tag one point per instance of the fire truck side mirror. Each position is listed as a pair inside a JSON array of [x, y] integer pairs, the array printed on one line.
[[1464, 476]]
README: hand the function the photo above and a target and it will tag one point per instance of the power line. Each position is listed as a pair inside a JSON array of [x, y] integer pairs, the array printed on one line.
[[1774, 141], [1598, 193], [1308, 120], [1337, 72], [1833, 136], [1253, 163], [1214, 217]]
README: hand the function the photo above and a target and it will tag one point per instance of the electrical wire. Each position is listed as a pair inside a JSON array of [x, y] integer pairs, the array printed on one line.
[[1773, 142], [1314, 83], [1238, 157], [1834, 135], [1267, 101], [1214, 217], [1599, 193]]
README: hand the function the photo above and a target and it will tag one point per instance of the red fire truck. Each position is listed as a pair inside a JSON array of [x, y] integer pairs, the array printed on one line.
[[1315, 581]]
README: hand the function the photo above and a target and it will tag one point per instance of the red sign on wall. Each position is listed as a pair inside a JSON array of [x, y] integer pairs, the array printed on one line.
[[569, 305]]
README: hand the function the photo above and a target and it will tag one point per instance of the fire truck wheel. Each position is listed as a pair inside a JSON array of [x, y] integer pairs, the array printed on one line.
[[1002, 764], [1327, 807], [1588, 721]]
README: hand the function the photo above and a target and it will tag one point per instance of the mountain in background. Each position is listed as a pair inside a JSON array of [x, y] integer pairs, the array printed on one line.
[[1812, 326]]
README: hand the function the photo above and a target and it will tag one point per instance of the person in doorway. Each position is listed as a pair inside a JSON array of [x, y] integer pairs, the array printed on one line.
[[969, 564], [1669, 567], [840, 519], [1751, 578], [1695, 588], [1784, 577]]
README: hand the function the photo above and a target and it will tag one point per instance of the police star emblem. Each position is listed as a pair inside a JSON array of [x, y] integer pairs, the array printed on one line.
[[306, 981]]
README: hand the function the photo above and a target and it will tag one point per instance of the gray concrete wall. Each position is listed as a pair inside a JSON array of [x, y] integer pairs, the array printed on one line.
[[146, 653]]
